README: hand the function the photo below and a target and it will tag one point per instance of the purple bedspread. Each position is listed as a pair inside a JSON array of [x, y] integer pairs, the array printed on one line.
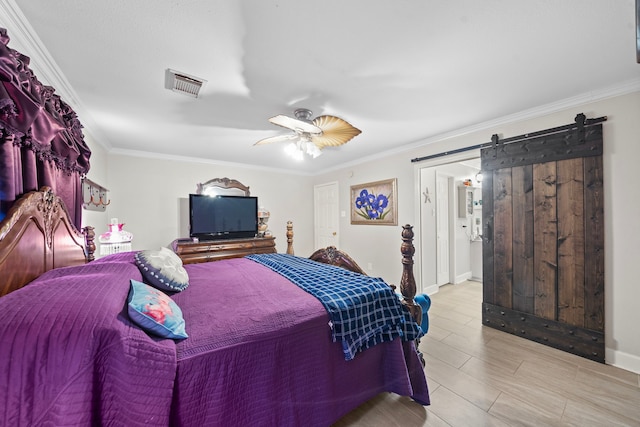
[[69, 356], [259, 352]]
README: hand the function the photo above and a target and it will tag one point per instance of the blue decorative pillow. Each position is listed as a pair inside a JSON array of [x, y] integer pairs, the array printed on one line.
[[163, 269], [155, 312], [424, 302]]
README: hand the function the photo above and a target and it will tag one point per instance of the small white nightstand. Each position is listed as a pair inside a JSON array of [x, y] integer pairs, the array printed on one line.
[[114, 248]]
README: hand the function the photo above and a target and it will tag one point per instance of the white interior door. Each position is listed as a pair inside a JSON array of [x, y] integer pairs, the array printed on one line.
[[442, 229], [326, 218]]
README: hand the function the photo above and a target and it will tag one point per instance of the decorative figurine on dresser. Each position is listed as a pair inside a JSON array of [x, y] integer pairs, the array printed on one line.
[[263, 218]]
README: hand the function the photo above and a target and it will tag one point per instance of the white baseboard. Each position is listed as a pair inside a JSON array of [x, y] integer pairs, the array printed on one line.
[[619, 359], [461, 278], [430, 290]]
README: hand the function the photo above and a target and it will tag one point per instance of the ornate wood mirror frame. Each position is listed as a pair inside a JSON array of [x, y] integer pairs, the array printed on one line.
[[223, 187]]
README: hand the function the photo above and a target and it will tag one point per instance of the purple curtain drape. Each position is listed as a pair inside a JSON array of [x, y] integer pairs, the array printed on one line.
[[41, 140]]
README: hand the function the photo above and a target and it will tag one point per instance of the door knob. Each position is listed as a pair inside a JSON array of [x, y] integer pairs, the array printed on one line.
[[334, 233]]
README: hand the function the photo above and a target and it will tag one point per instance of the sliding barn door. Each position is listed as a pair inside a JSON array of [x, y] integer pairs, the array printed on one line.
[[543, 252]]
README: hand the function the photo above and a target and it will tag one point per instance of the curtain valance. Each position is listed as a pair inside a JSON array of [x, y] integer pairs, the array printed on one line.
[[41, 140]]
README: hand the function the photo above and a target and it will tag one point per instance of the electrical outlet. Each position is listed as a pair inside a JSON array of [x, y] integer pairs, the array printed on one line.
[[369, 266]]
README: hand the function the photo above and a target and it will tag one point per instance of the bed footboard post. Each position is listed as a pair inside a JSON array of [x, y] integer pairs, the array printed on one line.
[[408, 281], [290, 238]]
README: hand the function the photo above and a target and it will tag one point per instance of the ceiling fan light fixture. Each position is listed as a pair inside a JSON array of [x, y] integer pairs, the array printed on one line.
[[315, 153], [298, 149], [312, 149], [311, 136], [303, 114], [294, 151]]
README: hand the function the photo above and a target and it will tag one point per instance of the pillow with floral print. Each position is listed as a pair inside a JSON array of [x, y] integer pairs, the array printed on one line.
[[155, 312]]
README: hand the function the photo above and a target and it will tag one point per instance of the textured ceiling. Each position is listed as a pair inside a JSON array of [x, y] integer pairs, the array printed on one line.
[[402, 71]]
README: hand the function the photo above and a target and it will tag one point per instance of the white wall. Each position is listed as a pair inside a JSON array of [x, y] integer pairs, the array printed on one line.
[[147, 195], [622, 203], [426, 240], [98, 174]]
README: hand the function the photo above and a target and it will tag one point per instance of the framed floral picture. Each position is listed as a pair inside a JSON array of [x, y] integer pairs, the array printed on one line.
[[375, 203]]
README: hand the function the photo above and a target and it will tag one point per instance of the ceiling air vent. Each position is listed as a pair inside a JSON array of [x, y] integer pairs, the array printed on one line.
[[183, 83]]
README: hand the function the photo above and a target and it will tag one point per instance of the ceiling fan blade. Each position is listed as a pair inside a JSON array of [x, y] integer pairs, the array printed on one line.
[[277, 138], [335, 131], [295, 124]]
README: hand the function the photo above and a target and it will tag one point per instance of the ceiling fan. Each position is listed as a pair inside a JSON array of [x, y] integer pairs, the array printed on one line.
[[311, 136]]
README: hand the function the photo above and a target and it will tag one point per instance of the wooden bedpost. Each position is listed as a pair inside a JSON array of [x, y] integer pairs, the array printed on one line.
[[89, 242], [408, 281], [290, 238]]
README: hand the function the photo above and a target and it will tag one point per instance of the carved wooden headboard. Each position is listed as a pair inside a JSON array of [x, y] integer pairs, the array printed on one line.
[[36, 236]]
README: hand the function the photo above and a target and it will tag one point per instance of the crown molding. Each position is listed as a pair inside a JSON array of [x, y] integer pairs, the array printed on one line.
[[620, 89], [24, 39], [187, 159], [21, 32]]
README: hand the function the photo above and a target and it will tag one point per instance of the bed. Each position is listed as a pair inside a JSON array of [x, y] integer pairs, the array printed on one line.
[[259, 350]]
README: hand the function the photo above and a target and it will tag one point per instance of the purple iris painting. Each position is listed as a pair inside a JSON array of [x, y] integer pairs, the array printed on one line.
[[375, 203], [372, 206]]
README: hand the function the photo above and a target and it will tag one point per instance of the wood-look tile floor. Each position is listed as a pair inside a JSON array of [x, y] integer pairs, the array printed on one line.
[[479, 376]]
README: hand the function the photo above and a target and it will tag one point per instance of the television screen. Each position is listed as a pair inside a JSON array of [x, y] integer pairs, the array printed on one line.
[[222, 217]]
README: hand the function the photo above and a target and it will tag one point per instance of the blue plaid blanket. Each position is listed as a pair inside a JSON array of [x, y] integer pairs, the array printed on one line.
[[363, 310]]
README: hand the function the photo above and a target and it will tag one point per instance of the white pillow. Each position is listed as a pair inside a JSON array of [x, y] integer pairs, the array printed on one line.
[[162, 269]]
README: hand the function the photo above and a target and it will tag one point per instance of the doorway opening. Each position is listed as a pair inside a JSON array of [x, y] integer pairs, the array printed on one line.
[[450, 221]]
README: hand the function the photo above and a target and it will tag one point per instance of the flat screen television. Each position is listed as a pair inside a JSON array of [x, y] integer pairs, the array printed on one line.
[[222, 217]]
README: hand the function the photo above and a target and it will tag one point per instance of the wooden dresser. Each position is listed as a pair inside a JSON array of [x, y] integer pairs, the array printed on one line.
[[213, 250]]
